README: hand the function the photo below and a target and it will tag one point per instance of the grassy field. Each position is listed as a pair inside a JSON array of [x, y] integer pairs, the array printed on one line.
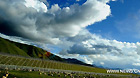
[[33, 62]]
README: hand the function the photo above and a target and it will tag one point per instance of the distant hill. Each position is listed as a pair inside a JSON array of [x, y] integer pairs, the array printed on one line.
[[14, 48]]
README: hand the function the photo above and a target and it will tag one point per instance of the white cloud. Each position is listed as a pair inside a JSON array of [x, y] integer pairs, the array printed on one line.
[[55, 8], [136, 64], [49, 25], [77, 0], [16, 39], [102, 63], [39, 6], [114, 0], [106, 1]]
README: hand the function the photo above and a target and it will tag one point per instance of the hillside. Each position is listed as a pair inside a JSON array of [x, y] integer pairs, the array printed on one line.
[[7, 47], [14, 48]]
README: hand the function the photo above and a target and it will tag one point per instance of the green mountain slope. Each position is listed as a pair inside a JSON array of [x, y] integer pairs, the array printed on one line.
[[7, 47], [10, 47]]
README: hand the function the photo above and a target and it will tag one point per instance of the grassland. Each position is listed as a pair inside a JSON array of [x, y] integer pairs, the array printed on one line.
[[33, 62]]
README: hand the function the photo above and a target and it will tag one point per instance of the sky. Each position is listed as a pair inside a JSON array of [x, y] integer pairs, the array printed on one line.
[[99, 32]]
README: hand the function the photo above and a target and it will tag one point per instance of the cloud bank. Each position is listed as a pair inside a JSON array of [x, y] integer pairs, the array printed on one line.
[[31, 19], [94, 49]]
